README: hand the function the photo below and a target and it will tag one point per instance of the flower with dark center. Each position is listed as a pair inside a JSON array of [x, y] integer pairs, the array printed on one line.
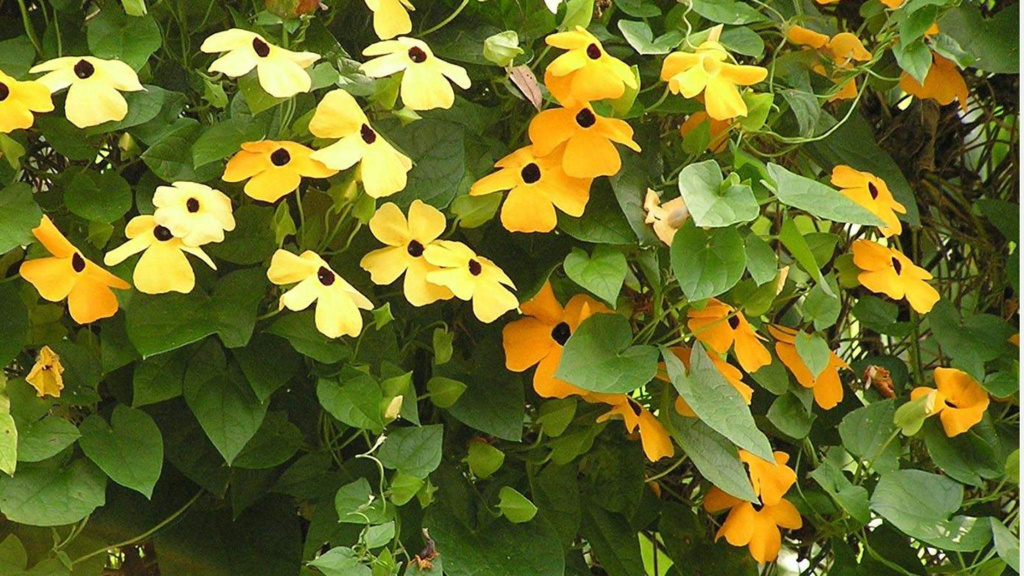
[[325, 276], [367, 134], [84, 69], [530, 173], [77, 263], [261, 48], [873, 190], [734, 322], [162, 234], [280, 157], [192, 205], [560, 333], [635, 407], [415, 248], [474, 268], [896, 265], [417, 55], [593, 51], [4, 91], [585, 118]]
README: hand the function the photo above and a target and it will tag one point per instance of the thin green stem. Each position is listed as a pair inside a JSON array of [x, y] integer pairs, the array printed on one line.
[[445, 22]]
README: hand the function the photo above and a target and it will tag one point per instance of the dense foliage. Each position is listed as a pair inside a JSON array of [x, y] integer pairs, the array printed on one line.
[[509, 287]]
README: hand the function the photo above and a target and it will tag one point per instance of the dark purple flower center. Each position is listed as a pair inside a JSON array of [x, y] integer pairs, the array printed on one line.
[[896, 265], [77, 262], [280, 157], [84, 69], [560, 333], [261, 48], [417, 55], [415, 248], [734, 322], [594, 51], [162, 234], [325, 276], [873, 190], [367, 134], [635, 407], [530, 173], [192, 205], [4, 91], [475, 268], [585, 118]]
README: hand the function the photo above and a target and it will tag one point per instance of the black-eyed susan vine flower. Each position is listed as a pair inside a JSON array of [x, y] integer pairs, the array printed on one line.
[[585, 72], [665, 218], [19, 101], [537, 339], [281, 72], [68, 274], [195, 213], [656, 442], [536, 185], [163, 266], [337, 302], [957, 398], [47, 374], [842, 50], [887, 271], [757, 526], [710, 72], [382, 169], [391, 17], [425, 79], [872, 193], [94, 87], [407, 239], [589, 140], [827, 387], [944, 83], [471, 277], [731, 373], [273, 169], [720, 327]]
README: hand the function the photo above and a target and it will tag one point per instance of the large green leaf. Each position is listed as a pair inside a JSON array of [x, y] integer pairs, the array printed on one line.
[[712, 201], [707, 262], [414, 450], [865, 432], [602, 272], [19, 214], [114, 35], [818, 199], [50, 494], [713, 454], [598, 357], [47, 437], [354, 399], [130, 450]]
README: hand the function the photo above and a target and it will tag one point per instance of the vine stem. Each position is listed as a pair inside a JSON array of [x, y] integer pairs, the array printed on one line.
[[145, 534], [29, 29], [445, 22]]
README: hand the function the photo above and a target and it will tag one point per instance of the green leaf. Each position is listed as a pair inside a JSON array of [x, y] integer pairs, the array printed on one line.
[[613, 540], [19, 214], [813, 351], [225, 139], [921, 505], [556, 414], [404, 488], [915, 58], [171, 160], [602, 273], [8, 440], [252, 241], [275, 443], [514, 506], [45, 438], [340, 561], [598, 357], [130, 450], [797, 245], [761, 262], [1007, 545], [707, 262], [865, 432], [713, 454], [715, 401], [14, 320], [502, 48], [13, 556], [442, 340], [483, 459], [355, 400], [992, 40], [98, 196], [50, 495], [602, 223], [712, 202], [357, 504], [641, 38], [300, 330], [967, 457], [789, 414], [852, 499], [727, 12], [475, 211], [439, 149], [267, 364], [817, 199], [577, 13], [444, 392], [114, 35], [413, 450]]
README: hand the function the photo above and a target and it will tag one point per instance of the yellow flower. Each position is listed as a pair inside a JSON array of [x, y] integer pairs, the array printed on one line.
[[536, 186], [872, 193], [589, 140], [719, 130], [274, 169], [337, 302], [827, 387], [68, 274], [46, 376], [944, 83], [720, 327], [406, 240], [887, 271], [94, 87], [586, 72], [757, 527], [731, 374], [957, 398], [665, 218], [806, 37], [708, 71], [425, 82], [163, 266], [193, 212], [842, 49], [18, 100], [391, 17], [383, 169], [537, 339], [282, 73], [656, 442], [471, 277]]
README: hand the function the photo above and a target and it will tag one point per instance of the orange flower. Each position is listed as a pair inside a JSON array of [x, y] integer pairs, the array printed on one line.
[[665, 218], [537, 340], [872, 193], [944, 83], [586, 72], [720, 327], [757, 526], [655, 439], [589, 140], [842, 49], [730, 372], [273, 169], [828, 389], [68, 274], [719, 130], [957, 398], [887, 271]]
